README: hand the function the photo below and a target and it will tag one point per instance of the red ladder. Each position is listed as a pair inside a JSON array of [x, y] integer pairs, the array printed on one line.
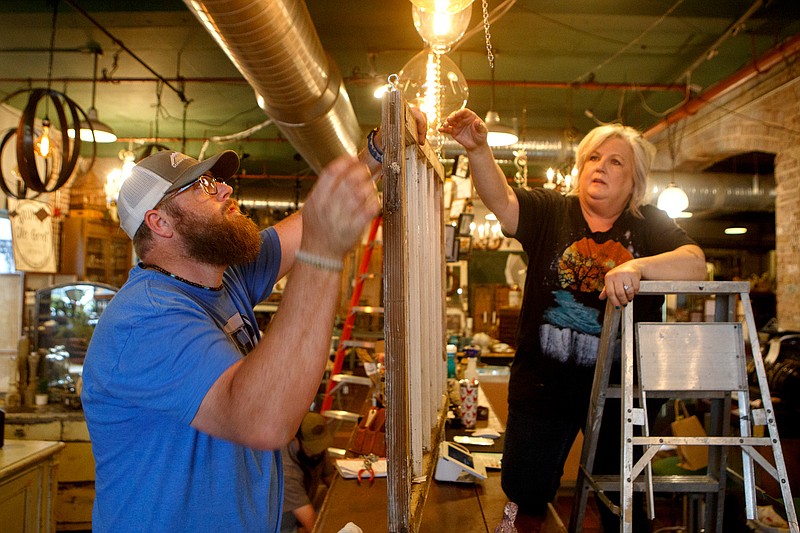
[[347, 329]]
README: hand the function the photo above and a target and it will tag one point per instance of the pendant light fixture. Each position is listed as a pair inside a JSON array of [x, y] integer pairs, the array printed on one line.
[[674, 201], [92, 129], [498, 134]]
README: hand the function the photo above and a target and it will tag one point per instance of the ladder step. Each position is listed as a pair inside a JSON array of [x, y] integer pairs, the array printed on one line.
[[615, 391], [358, 344], [367, 309], [341, 415], [690, 483], [352, 380]]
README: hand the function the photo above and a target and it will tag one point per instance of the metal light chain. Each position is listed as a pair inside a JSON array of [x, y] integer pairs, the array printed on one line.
[[489, 51]]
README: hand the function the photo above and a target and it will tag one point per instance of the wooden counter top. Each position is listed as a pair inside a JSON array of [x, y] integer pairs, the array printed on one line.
[[44, 413], [17, 455]]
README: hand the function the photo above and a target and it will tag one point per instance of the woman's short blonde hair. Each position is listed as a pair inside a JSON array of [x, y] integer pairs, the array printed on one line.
[[643, 154]]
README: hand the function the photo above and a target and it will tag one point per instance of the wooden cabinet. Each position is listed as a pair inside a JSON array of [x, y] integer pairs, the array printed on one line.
[[95, 250], [28, 475], [75, 495]]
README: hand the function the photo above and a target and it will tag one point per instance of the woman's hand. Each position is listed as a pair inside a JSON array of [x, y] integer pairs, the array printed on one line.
[[622, 283], [466, 128], [422, 124]]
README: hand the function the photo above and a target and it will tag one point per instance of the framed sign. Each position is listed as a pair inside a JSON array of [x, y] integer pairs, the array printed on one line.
[[32, 235]]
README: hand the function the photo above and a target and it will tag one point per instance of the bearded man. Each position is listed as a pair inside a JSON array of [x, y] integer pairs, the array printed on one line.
[[186, 404]]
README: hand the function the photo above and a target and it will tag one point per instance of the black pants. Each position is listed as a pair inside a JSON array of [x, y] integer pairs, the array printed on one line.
[[539, 435]]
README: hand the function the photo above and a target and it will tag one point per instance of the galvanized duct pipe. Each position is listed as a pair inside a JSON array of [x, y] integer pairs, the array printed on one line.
[[275, 46], [708, 193], [544, 148], [719, 193]]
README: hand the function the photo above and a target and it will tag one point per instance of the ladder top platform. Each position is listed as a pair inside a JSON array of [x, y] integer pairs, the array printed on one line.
[[693, 287]]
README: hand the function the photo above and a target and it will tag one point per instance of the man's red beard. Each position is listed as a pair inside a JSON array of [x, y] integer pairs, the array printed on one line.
[[221, 240]]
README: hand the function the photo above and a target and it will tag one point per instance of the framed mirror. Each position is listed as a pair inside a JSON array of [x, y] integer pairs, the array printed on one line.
[[66, 316]]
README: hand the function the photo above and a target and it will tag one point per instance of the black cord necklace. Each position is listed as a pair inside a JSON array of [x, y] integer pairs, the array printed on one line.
[[175, 276]]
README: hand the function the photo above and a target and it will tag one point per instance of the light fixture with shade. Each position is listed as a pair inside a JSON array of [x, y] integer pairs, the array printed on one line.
[[92, 129], [735, 230], [498, 135], [440, 30], [673, 200], [442, 6]]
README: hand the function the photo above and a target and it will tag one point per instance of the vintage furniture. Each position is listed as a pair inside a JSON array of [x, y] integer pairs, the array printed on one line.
[[28, 474], [67, 428], [95, 250]]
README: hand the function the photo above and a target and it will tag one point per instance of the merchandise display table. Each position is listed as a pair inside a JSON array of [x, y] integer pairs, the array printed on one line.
[[463, 507]]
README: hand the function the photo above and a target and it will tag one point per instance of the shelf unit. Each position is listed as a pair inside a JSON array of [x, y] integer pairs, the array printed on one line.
[[95, 250]]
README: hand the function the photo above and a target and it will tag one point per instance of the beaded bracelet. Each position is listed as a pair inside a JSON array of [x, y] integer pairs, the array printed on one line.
[[374, 151], [318, 261]]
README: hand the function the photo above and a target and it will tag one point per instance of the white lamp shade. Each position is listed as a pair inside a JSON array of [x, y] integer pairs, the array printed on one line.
[[102, 132], [673, 200], [498, 135]]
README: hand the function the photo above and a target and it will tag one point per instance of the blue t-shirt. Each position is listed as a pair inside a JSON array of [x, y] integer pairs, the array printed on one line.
[[158, 348]]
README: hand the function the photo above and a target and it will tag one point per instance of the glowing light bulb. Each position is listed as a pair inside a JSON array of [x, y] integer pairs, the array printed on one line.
[[433, 83], [673, 200], [439, 29], [43, 144], [443, 6]]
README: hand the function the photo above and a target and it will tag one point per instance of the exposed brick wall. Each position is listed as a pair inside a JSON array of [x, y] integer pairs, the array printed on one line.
[[762, 116], [787, 237]]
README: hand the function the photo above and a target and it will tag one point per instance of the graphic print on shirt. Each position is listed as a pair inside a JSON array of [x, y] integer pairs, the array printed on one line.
[[570, 329], [241, 332]]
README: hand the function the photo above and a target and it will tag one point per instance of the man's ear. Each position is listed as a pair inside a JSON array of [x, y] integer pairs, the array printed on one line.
[[158, 223]]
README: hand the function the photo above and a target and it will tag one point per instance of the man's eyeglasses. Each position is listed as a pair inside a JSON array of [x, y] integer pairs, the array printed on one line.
[[206, 181]]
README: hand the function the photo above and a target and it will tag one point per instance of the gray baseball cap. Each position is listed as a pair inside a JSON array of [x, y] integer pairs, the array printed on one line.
[[158, 175]]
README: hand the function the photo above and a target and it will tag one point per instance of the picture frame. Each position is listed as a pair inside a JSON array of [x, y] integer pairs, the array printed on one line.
[[451, 244], [460, 166], [464, 221]]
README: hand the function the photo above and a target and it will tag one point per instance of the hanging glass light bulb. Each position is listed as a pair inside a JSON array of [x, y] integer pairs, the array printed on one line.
[[440, 30], [117, 177], [43, 145], [442, 6], [433, 83]]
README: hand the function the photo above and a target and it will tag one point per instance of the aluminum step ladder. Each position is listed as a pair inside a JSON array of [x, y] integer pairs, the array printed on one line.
[[682, 360]]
